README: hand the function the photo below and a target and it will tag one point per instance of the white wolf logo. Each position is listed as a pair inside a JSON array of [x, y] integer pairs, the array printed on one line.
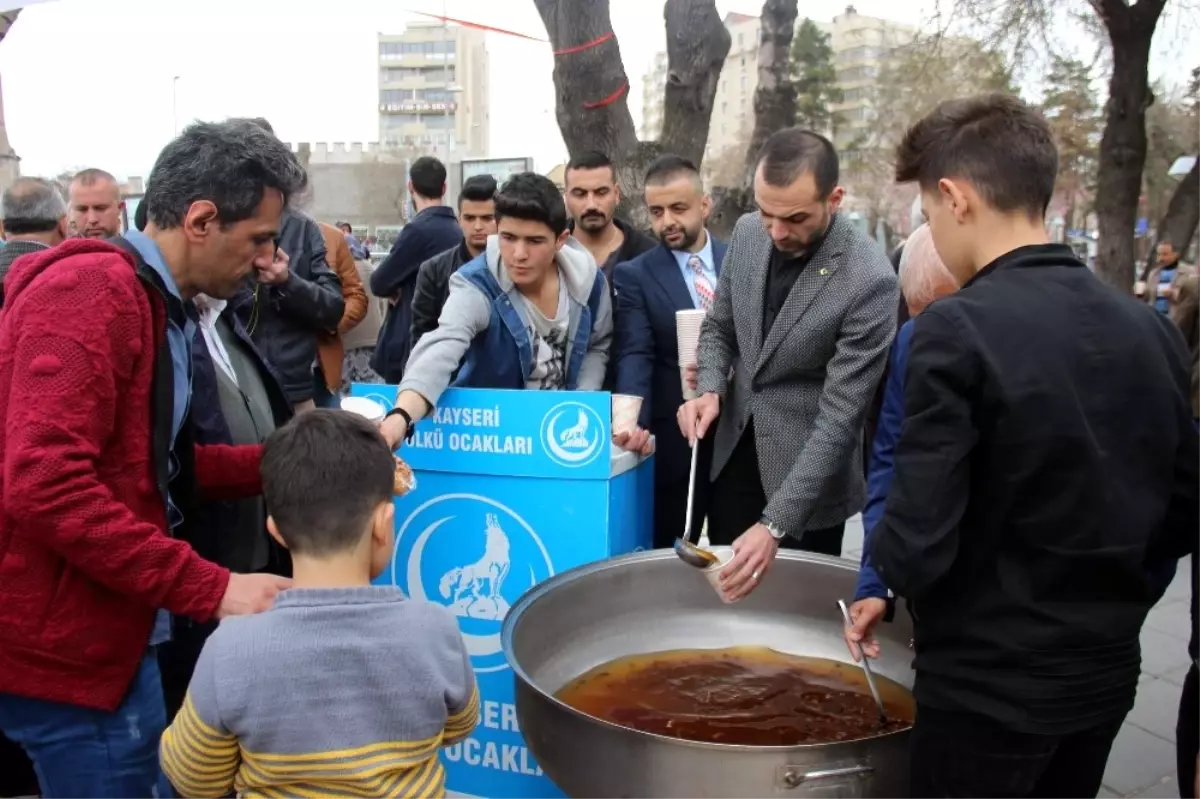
[[576, 436], [474, 590]]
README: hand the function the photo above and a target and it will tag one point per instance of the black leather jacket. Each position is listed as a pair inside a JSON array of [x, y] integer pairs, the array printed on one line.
[[284, 320], [433, 287]]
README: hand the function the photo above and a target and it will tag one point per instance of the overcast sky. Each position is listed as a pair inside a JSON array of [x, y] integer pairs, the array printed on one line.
[[90, 82]]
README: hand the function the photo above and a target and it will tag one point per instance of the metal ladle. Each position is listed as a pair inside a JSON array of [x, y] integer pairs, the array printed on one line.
[[862, 658], [688, 552]]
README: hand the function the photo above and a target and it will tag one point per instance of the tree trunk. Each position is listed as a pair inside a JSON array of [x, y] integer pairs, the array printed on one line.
[[1178, 225], [592, 89], [774, 108], [1123, 145]]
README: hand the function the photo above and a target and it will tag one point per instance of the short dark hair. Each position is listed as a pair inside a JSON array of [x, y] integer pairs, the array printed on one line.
[[262, 123], [228, 163], [667, 167], [90, 175], [1001, 145], [528, 195], [323, 474], [428, 177], [590, 159], [478, 189], [32, 205], [345, 227], [139, 215], [792, 152]]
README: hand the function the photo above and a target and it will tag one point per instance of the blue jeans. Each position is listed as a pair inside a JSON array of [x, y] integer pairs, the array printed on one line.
[[79, 751]]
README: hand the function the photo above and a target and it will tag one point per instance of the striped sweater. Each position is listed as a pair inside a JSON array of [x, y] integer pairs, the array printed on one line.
[[333, 692]]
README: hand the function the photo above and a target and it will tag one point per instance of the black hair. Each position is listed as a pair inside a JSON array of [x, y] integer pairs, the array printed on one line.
[[228, 163], [792, 152], [139, 215], [478, 189], [667, 167], [590, 159], [428, 177], [324, 473], [534, 197], [997, 142]]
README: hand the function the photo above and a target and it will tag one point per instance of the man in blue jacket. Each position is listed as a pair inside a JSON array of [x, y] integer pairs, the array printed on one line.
[[679, 274], [433, 230], [532, 311]]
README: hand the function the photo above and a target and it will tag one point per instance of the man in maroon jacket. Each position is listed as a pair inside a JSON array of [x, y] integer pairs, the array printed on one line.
[[100, 472]]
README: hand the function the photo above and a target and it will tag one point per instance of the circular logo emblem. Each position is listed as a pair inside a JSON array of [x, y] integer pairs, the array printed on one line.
[[476, 557], [572, 434]]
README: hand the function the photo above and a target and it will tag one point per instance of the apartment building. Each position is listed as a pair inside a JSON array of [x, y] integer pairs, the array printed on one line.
[[861, 45], [433, 90]]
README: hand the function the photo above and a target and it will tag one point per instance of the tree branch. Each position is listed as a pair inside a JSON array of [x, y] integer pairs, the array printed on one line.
[[697, 44], [775, 97]]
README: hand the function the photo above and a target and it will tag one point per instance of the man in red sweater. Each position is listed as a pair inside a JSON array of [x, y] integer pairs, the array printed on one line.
[[100, 471]]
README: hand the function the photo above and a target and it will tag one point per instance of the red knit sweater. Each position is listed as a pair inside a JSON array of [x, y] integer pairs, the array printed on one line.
[[85, 558]]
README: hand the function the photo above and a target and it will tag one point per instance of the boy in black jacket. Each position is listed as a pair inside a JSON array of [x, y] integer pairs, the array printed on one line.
[[1027, 513]]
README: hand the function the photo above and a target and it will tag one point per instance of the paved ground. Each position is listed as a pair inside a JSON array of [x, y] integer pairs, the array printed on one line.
[[1142, 763]]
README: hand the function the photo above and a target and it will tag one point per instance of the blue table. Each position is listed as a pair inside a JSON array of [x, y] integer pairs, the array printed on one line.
[[512, 487]]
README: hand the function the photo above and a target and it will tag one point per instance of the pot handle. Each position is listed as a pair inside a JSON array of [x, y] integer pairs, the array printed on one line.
[[792, 777]]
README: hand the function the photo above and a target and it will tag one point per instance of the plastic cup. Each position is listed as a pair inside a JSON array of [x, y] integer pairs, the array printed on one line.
[[687, 334], [713, 572], [625, 411], [368, 408]]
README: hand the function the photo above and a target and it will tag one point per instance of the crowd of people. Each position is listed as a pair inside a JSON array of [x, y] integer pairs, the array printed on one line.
[[189, 532]]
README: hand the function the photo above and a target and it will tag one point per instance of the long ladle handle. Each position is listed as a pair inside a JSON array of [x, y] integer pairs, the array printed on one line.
[[862, 656], [687, 523]]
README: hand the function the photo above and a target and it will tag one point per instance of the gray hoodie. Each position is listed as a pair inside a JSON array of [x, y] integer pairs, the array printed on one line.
[[468, 312]]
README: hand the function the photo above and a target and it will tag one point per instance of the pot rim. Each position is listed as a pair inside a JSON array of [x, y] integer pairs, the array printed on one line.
[[538, 591]]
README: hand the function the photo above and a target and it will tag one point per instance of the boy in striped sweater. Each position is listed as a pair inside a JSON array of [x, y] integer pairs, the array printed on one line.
[[342, 688]]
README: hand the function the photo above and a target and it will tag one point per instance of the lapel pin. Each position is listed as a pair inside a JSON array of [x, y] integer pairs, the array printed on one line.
[[823, 272]]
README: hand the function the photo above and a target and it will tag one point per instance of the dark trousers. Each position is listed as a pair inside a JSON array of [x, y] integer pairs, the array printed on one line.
[[967, 755], [16, 771], [671, 496], [1187, 734], [322, 396], [738, 502]]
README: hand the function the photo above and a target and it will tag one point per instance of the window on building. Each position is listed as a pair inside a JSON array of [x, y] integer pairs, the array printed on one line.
[[743, 61], [398, 121], [434, 95], [743, 86], [439, 121], [401, 49], [741, 37], [389, 97], [724, 107]]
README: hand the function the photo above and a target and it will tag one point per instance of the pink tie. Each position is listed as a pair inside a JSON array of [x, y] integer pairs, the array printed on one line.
[[704, 288]]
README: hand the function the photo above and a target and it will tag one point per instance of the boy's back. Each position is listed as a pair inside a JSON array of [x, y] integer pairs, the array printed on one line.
[[342, 688], [335, 690]]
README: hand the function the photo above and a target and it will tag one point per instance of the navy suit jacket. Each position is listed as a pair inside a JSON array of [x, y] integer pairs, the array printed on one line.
[[650, 289]]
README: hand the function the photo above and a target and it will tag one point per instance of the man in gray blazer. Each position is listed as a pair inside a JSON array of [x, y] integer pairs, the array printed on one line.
[[804, 314]]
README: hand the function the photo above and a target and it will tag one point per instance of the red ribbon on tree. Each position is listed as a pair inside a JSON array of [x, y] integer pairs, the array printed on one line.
[[612, 98]]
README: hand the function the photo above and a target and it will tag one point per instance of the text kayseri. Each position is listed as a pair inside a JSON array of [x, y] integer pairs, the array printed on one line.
[[467, 417], [472, 442]]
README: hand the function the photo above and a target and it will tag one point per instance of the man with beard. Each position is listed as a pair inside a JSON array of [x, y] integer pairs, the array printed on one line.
[[592, 196], [96, 205], [679, 274], [804, 313]]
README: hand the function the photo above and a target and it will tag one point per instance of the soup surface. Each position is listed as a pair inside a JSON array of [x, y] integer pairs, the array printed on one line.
[[750, 696]]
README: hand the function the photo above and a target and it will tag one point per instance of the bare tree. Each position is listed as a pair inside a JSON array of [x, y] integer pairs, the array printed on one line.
[[6, 21], [774, 108], [1174, 130], [592, 89], [1026, 27]]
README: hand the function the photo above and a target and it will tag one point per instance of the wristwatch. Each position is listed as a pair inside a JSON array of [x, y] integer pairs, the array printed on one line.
[[408, 421], [775, 532]]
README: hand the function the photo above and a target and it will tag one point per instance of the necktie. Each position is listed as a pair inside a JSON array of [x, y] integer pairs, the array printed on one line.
[[704, 287]]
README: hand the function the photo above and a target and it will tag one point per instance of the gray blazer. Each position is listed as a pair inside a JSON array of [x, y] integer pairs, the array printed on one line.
[[809, 384]]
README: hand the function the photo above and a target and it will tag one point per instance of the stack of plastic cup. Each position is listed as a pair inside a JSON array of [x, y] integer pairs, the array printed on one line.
[[713, 572], [687, 333], [625, 411]]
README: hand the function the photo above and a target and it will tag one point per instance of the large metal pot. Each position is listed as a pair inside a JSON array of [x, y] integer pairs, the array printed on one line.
[[649, 602]]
